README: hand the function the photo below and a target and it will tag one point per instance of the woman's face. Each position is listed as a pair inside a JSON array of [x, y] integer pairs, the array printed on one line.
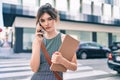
[[47, 22]]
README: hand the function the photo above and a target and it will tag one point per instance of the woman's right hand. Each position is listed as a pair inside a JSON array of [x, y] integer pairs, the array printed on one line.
[[39, 33]]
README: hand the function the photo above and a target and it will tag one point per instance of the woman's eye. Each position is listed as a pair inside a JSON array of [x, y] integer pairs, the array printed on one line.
[[50, 19], [42, 20]]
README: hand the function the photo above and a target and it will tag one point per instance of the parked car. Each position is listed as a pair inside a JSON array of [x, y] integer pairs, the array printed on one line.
[[114, 60], [115, 46], [91, 49]]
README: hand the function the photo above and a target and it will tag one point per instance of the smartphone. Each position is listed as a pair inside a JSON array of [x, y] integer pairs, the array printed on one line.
[[42, 30]]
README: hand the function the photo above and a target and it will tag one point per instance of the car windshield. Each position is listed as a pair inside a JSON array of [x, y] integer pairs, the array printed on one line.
[[90, 45]]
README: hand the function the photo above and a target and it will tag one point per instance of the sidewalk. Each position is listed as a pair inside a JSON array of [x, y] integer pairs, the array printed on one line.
[[7, 53]]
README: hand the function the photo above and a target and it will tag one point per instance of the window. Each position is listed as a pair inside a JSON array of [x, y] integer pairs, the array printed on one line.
[[62, 7], [116, 12], [73, 33], [107, 10], [104, 40], [115, 37], [97, 9], [109, 1], [117, 2], [85, 36], [86, 7], [28, 36], [42, 2], [80, 35], [74, 6], [29, 3]]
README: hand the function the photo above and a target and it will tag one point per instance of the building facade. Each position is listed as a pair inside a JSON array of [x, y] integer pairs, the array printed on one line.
[[85, 20]]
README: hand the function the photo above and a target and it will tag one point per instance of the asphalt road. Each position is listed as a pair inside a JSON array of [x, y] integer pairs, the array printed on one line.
[[100, 68], [90, 69]]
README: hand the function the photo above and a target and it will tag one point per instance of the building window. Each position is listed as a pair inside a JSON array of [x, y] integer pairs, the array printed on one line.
[[104, 40], [107, 10], [117, 2], [86, 7], [115, 37], [80, 35], [62, 7], [74, 6], [109, 2], [97, 9], [116, 12], [106, 13], [85, 36], [28, 36], [30, 3], [73, 33], [42, 2]]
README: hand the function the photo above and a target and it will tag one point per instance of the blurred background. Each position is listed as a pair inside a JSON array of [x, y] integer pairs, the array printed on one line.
[[95, 23], [86, 20]]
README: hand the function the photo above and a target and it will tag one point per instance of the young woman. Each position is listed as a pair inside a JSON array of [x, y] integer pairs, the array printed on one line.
[[47, 17]]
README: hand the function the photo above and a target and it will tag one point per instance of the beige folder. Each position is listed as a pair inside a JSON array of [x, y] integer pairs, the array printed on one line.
[[68, 49]]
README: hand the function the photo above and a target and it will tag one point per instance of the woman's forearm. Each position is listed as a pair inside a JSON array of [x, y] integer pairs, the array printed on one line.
[[35, 58], [69, 65]]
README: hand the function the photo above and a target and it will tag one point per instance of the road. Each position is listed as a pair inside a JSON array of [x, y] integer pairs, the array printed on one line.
[[15, 69], [90, 69], [93, 69]]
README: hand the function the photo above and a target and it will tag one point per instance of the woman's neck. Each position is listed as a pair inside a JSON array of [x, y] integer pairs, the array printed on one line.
[[51, 35]]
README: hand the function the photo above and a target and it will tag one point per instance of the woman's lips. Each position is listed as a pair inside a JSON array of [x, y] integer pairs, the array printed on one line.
[[47, 27]]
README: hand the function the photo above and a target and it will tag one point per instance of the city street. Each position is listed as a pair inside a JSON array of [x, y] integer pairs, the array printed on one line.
[[95, 24], [90, 69], [14, 69]]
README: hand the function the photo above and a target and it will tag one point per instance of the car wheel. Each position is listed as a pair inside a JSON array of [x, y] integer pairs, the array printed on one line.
[[83, 55]]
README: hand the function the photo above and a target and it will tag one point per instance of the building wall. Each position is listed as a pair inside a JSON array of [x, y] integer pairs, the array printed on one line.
[[25, 30], [78, 23]]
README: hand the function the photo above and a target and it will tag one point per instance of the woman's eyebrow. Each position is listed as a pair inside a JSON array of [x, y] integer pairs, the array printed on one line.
[[44, 19], [41, 19]]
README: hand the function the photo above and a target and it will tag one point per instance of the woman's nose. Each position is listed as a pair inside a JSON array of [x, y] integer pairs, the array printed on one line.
[[46, 23]]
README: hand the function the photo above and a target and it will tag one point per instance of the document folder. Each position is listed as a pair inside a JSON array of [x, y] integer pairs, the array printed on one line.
[[68, 49]]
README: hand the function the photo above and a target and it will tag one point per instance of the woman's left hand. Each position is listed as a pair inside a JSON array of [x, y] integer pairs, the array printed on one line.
[[57, 58]]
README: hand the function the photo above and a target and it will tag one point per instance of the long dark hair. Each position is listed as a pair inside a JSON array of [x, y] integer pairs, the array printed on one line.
[[47, 8]]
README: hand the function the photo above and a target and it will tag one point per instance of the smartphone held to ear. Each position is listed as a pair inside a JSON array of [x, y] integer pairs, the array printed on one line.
[[41, 31], [40, 24]]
